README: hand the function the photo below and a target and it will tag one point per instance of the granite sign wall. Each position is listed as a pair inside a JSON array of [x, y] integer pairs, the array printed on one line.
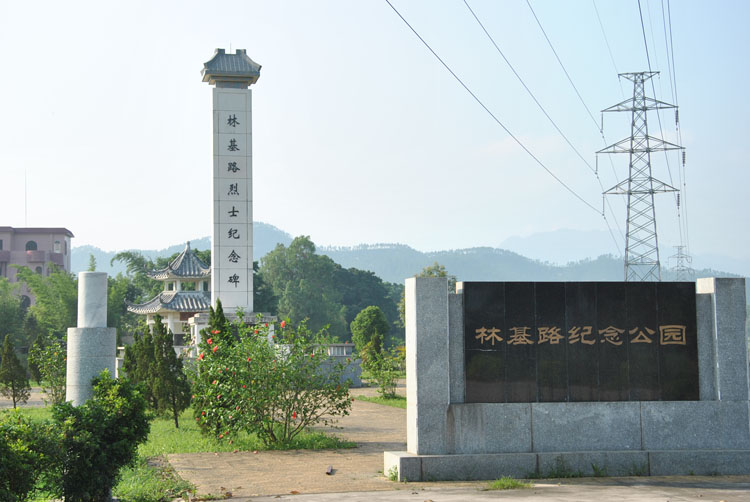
[[580, 341]]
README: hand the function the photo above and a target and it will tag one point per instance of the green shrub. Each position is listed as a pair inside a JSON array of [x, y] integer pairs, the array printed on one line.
[[99, 438], [28, 450], [275, 390]]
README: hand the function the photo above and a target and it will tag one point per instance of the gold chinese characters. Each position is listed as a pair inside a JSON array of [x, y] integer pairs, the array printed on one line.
[[669, 334]]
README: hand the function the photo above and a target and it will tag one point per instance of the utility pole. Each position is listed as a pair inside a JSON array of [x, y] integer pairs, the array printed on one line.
[[641, 241]]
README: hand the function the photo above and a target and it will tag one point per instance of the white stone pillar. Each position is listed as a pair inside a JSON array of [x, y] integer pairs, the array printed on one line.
[[232, 237], [92, 345]]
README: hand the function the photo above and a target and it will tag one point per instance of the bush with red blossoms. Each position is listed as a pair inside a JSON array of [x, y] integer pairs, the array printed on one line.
[[274, 388]]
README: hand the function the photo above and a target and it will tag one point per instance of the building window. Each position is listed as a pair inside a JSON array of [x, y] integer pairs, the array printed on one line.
[[65, 247], [205, 285], [170, 286], [57, 248], [1, 244], [38, 270], [31, 246]]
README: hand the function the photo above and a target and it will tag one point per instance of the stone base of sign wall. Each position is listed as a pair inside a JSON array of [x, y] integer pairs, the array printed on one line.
[[448, 439], [412, 467]]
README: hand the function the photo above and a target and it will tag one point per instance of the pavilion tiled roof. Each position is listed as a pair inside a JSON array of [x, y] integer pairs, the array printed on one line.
[[176, 301], [231, 67], [187, 265]]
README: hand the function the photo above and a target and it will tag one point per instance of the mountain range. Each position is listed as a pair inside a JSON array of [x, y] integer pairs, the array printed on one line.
[[395, 262]]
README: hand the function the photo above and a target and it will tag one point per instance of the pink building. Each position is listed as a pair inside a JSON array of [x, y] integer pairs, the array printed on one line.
[[36, 248]]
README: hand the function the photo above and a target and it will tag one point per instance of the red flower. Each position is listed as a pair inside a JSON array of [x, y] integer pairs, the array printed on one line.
[[266, 325], [294, 415], [210, 341], [221, 436], [256, 331], [214, 382], [273, 337], [243, 385], [216, 347], [201, 356], [283, 323], [218, 397], [230, 417], [236, 408], [249, 359], [311, 355], [215, 332], [203, 413]]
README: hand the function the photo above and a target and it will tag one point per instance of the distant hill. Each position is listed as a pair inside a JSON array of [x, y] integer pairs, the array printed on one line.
[[395, 262], [265, 239]]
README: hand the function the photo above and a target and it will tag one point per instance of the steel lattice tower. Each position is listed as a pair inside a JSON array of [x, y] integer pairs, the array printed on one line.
[[641, 241], [683, 269]]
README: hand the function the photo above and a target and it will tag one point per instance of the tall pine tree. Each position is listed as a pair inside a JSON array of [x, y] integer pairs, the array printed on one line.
[[139, 363], [169, 384], [13, 380]]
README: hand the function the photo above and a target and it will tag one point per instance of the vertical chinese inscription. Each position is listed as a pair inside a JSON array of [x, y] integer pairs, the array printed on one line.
[[547, 342], [232, 279]]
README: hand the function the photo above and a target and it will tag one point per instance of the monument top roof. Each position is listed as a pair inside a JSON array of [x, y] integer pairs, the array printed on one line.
[[234, 69], [186, 265]]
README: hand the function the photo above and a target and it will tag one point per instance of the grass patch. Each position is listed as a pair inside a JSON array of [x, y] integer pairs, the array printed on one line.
[[508, 483], [151, 480], [36, 414], [396, 402], [164, 439]]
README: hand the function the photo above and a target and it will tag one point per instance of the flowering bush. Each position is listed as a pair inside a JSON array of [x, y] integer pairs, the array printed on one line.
[[272, 385]]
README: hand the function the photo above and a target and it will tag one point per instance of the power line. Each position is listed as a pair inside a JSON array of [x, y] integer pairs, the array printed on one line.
[[466, 88], [609, 49], [563, 66], [520, 79]]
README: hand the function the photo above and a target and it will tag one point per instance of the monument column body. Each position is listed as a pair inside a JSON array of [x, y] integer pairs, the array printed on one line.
[[92, 346], [232, 235]]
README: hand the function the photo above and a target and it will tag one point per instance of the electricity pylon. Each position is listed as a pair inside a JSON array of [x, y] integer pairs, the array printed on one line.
[[641, 241], [683, 270]]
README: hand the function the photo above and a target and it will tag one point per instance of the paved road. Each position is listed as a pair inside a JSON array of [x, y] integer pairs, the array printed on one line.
[[357, 476]]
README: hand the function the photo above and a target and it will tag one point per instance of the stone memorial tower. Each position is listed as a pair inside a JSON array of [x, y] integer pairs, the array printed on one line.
[[232, 236]]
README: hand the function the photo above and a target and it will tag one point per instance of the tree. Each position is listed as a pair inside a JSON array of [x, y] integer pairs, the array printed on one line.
[[370, 325], [274, 391], [434, 270], [13, 380], [304, 283], [48, 355], [11, 313], [139, 363], [56, 296], [92, 263], [169, 383], [360, 289], [98, 438]]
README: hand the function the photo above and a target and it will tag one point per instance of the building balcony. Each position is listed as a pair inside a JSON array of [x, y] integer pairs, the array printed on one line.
[[4, 256], [36, 256], [58, 259]]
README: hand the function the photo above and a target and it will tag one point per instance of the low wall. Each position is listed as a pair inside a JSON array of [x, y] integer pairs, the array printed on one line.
[[450, 439]]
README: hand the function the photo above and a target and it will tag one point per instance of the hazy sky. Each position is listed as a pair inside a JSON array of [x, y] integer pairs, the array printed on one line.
[[360, 135]]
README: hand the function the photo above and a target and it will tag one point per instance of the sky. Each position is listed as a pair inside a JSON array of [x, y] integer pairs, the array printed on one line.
[[360, 135]]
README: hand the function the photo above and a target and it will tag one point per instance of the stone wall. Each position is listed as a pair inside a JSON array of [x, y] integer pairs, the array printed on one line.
[[450, 439]]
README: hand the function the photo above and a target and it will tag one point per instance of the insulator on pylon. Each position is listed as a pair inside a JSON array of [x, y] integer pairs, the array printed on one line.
[[678, 201], [676, 116], [683, 158]]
